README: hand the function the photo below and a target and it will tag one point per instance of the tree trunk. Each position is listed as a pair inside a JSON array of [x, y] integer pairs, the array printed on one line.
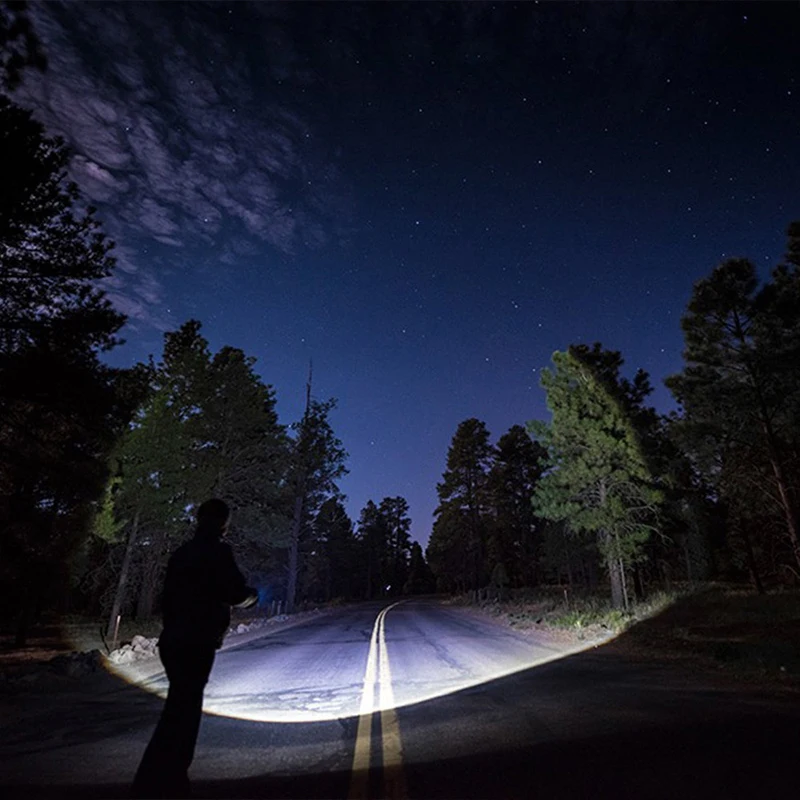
[[145, 608], [626, 603], [146, 600], [751, 561], [297, 519], [638, 584], [788, 506], [294, 553], [119, 595], [787, 502], [614, 573]]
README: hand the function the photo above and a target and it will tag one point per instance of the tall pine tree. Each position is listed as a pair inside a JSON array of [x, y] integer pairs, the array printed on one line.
[[61, 407], [457, 548], [373, 539], [316, 462], [394, 511], [208, 429], [740, 389], [599, 479], [518, 465]]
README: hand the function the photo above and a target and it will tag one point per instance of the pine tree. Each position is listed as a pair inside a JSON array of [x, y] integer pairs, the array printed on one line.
[[316, 462], [244, 455], [456, 551], [208, 429], [61, 408], [373, 538], [518, 465], [394, 511], [334, 559], [740, 388], [420, 578], [599, 479]]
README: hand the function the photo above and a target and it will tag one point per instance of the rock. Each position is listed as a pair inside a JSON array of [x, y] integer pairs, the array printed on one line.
[[139, 648], [122, 656]]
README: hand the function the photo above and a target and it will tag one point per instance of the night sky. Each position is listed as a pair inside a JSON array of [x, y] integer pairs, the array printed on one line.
[[427, 200]]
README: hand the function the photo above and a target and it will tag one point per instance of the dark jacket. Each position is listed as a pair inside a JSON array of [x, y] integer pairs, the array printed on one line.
[[201, 585]]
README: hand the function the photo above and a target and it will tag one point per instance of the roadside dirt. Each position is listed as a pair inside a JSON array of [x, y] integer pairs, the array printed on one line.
[[730, 635]]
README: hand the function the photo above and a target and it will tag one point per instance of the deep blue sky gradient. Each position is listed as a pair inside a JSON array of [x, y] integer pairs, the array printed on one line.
[[447, 193]]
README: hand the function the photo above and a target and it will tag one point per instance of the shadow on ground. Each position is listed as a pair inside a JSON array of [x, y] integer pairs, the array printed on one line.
[[594, 725]]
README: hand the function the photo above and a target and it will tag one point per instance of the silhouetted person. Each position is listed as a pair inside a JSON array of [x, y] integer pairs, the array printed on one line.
[[201, 585]]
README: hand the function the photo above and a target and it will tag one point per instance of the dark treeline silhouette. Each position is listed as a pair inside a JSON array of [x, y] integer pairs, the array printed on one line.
[[101, 468], [209, 427], [61, 408], [609, 490]]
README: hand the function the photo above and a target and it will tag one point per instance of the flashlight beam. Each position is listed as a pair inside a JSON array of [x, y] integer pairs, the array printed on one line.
[[378, 677]]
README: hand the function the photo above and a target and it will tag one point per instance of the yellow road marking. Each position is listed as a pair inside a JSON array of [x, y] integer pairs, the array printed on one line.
[[360, 771], [378, 676], [393, 778]]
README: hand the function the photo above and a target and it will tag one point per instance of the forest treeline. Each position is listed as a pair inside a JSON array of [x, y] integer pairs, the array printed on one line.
[[610, 491], [101, 467]]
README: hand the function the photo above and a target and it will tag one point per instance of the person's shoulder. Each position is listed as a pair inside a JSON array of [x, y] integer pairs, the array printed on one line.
[[216, 547]]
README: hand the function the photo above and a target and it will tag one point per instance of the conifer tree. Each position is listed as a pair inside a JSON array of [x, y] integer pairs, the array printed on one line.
[[61, 408], [599, 480], [518, 465], [420, 578], [316, 462], [373, 537], [740, 388], [208, 429], [394, 511], [456, 551], [334, 560]]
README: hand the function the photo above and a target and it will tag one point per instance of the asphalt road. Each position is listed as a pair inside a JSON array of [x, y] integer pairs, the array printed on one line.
[[414, 700]]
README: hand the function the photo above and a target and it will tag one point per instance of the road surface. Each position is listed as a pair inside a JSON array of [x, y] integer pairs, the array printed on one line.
[[414, 700]]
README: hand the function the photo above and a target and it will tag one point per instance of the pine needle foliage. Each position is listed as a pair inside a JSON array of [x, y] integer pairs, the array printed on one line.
[[599, 480]]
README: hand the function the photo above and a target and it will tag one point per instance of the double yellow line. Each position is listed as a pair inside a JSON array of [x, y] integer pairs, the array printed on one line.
[[378, 681]]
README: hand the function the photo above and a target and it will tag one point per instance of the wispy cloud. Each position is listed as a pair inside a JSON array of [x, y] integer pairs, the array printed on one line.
[[176, 139]]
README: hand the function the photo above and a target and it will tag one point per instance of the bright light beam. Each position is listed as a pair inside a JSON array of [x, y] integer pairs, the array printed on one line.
[[149, 675]]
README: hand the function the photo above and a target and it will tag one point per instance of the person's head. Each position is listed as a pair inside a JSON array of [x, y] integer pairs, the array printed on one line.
[[213, 516]]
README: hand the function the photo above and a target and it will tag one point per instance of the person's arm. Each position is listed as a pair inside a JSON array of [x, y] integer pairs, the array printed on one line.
[[231, 583]]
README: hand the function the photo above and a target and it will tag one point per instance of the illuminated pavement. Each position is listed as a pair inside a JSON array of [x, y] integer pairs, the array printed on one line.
[[417, 701], [316, 671]]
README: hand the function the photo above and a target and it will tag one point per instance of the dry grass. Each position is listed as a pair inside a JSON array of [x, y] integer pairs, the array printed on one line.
[[729, 630]]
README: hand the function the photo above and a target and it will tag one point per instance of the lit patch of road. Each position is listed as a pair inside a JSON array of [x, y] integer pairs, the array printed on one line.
[[316, 672]]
